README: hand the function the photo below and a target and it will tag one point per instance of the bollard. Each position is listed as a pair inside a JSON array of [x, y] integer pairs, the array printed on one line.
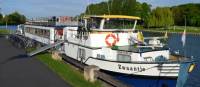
[[55, 55], [89, 73]]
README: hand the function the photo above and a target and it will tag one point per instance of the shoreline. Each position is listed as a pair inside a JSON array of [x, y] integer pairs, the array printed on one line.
[[171, 32]]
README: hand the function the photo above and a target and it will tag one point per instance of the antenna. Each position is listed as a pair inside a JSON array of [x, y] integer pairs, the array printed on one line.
[[122, 6], [88, 7], [111, 3], [108, 7], [185, 21]]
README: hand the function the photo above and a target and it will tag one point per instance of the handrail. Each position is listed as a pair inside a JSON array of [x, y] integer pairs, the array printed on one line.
[[45, 48], [150, 62]]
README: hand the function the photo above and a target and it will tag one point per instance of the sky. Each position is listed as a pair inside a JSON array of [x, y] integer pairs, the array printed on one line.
[[43, 8]]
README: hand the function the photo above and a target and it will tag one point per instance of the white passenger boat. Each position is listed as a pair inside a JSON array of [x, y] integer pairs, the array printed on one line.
[[111, 43]]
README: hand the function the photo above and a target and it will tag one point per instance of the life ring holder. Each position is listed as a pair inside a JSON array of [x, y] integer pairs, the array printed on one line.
[[111, 36]]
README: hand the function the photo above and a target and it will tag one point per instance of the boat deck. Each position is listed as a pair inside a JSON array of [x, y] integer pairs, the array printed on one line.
[[139, 49]]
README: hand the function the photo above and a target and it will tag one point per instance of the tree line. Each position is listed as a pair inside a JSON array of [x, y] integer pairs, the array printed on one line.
[[187, 12], [14, 18], [157, 17]]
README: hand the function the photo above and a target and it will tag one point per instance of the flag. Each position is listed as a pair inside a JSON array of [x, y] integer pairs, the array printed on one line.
[[140, 37], [183, 39], [166, 35]]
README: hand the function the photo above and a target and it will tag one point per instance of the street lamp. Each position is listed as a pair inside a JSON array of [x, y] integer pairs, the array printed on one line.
[[6, 22]]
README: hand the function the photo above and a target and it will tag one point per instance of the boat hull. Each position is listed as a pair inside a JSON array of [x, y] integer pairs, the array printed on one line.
[[139, 69]]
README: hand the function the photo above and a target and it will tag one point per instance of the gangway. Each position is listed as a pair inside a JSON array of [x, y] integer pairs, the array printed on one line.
[[45, 48]]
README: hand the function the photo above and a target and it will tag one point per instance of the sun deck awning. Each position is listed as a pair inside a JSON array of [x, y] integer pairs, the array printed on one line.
[[114, 17]]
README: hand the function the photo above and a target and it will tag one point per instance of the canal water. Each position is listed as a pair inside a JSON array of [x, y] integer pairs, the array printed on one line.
[[191, 49], [11, 27]]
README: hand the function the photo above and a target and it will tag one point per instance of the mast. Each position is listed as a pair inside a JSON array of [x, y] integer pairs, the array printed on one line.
[[134, 25], [184, 33], [108, 8]]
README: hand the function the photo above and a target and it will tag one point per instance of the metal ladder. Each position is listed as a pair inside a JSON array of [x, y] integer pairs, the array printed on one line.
[[45, 48]]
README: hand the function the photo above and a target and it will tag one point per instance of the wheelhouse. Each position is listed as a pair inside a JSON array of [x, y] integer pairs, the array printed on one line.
[[111, 22]]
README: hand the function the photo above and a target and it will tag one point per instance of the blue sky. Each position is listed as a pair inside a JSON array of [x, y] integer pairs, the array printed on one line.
[[42, 8]]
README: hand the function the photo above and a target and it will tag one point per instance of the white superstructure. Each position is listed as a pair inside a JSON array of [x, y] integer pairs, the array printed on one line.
[[42, 34]]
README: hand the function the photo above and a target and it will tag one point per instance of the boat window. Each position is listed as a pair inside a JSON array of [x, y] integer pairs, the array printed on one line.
[[81, 53], [39, 32], [119, 24], [100, 56], [93, 23], [123, 58], [148, 58]]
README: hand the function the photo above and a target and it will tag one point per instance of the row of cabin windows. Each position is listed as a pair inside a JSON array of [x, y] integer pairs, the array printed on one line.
[[120, 57], [38, 32]]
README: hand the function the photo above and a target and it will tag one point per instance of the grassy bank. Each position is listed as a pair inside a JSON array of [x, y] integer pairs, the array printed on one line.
[[66, 72], [4, 31], [176, 29]]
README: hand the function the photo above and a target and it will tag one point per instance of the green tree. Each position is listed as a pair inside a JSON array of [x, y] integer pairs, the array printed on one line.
[[22, 19], [5, 20], [119, 7], [116, 6], [190, 12], [14, 19], [161, 17], [145, 13], [1, 17]]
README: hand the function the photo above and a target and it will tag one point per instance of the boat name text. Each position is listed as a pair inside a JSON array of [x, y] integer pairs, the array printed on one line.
[[130, 68]]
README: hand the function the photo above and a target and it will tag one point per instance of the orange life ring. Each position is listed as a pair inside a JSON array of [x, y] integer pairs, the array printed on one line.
[[114, 40]]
